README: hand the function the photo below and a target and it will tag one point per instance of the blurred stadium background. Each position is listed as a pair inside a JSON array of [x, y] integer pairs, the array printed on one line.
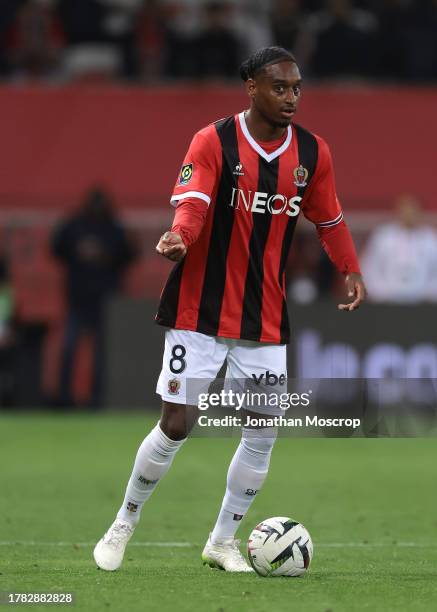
[[98, 102], [107, 94]]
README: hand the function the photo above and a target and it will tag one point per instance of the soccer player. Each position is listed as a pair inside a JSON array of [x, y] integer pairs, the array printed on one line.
[[242, 185]]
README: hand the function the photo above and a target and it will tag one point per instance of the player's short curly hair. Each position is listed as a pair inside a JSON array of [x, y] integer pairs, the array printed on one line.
[[264, 57]]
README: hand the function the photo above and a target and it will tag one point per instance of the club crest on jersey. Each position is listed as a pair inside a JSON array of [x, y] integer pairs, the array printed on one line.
[[173, 386], [300, 176], [186, 174], [238, 169]]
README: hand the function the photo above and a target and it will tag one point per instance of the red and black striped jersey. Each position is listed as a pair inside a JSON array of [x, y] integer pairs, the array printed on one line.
[[231, 282]]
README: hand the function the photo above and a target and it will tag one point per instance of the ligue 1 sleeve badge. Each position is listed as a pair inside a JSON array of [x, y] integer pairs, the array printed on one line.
[[186, 174], [300, 176]]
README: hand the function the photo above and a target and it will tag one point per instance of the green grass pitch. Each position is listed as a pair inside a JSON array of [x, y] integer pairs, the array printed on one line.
[[370, 506]]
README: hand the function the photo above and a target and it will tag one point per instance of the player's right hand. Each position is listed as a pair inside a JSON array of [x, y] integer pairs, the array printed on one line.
[[172, 246]]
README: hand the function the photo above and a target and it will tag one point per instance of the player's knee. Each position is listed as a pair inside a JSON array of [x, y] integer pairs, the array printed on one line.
[[174, 424], [174, 429]]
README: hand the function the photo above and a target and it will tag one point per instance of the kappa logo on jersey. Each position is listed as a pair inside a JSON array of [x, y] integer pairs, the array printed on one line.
[[260, 202], [186, 174], [173, 386], [239, 169], [300, 176]]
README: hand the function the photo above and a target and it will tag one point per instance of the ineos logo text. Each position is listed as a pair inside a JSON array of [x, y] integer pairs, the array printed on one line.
[[260, 202]]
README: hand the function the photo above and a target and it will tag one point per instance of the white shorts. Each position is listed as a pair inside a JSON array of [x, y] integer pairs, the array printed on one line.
[[192, 356]]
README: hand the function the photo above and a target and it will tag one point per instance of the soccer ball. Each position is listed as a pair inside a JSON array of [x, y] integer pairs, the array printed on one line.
[[280, 546]]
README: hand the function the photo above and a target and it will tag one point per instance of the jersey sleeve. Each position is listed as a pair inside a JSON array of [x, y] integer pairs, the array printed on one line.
[[321, 206], [199, 172]]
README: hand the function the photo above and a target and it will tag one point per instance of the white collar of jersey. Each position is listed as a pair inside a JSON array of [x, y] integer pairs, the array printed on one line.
[[253, 143]]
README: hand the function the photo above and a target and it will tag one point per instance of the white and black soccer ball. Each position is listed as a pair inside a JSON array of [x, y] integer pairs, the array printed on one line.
[[280, 546]]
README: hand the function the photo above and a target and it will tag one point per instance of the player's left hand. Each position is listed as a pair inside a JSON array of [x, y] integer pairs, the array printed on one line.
[[356, 289], [171, 246]]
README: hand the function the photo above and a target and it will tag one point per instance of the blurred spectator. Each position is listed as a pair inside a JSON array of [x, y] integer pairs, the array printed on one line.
[[216, 47], [287, 18], [7, 336], [8, 14], [343, 40], [391, 49], [178, 32], [36, 40], [421, 41], [310, 273], [400, 259], [95, 250], [251, 22], [101, 35], [327, 276], [232, 29], [151, 39]]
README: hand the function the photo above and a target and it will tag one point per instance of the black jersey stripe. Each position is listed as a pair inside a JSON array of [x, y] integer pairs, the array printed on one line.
[[251, 319], [308, 151], [168, 305], [215, 273]]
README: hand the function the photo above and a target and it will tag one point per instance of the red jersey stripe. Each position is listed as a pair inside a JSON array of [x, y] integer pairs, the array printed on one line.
[[195, 262]]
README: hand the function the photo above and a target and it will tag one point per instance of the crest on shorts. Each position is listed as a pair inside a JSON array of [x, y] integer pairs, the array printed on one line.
[[300, 176], [173, 386], [186, 174]]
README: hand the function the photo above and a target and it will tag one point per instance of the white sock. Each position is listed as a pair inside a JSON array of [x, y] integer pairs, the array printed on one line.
[[246, 475], [152, 462]]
